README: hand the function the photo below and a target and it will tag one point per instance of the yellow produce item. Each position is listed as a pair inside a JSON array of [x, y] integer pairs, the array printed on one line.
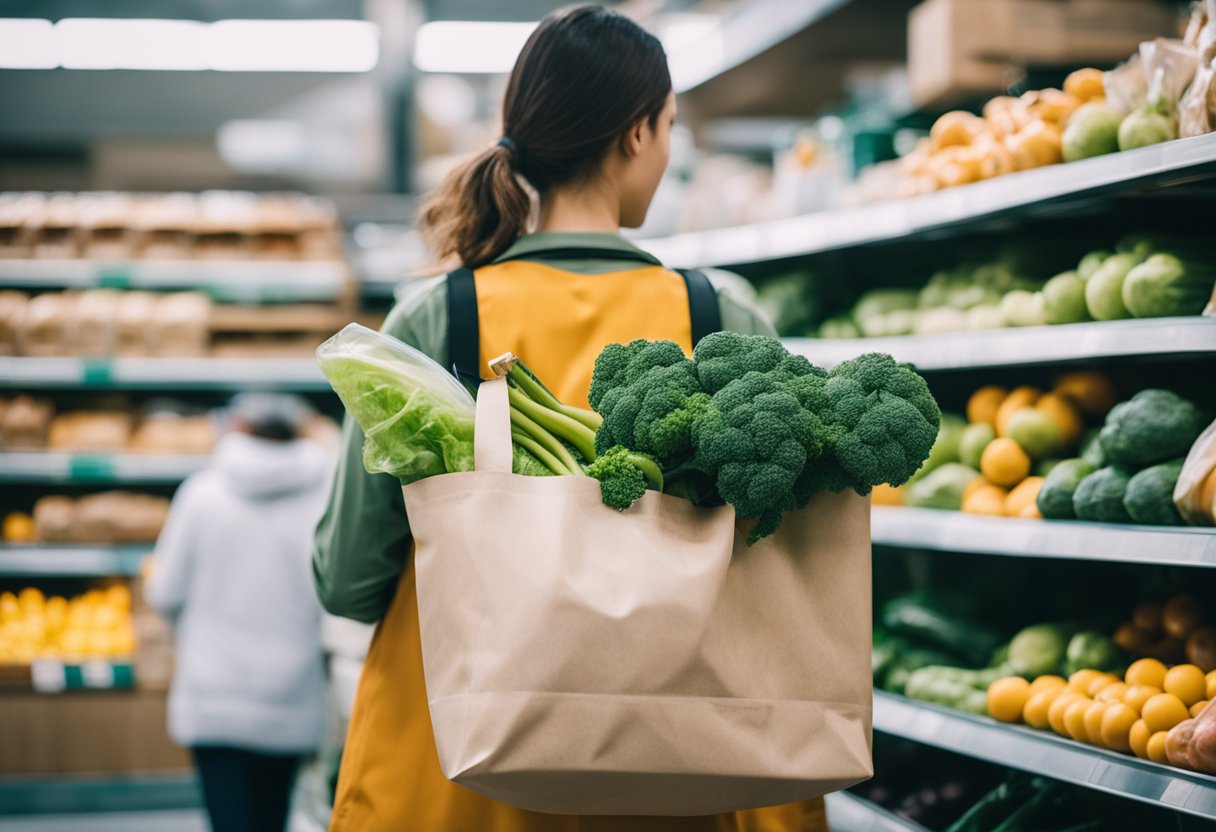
[[1036, 145], [1007, 698], [994, 157], [1115, 730], [1100, 683], [956, 128], [1146, 672], [1063, 413], [1074, 718], [1163, 712], [10, 610], [1059, 709], [1080, 681], [1137, 695], [1092, 392], [1018, 398], [1004, 463], [1035, 713], [984, 403], [1022, 498], [19, 528], [1211, 685], [1198, 707], [977, 484], [1085, 84], [1002, 114], [1138, 739], [887, 495], [1093, 722], [1114, 692], [1156, 748], [1187, 682], [1055, 683], [31, 600], [987, 500], [1054, 106]]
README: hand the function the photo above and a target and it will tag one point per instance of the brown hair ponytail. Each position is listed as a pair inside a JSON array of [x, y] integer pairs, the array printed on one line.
[[585, 76]]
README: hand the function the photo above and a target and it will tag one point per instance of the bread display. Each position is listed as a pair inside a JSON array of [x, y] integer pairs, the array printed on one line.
[[181, 325], [91, 431], [12, 313], [168, 432], [91, 328], [24, 422], [45, 323], [108, 517]]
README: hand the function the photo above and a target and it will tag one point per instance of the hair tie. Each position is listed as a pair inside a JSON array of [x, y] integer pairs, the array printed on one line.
[[504, 142]]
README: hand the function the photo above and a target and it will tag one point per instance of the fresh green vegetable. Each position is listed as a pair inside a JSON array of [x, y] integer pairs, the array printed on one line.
[[1104, 290], [994, 807], [1144, 127], [1038, 651], [1093, 130], [946, 447], [1023, 308], [984, 316], [1091, 649], [1165, 285], [975, 438], [1150, 495], [1090, 263], [786, 300], [1099, 497], [1153, 426], [915, 619], [839, 327], [624, 476], [876, 304], [954, 687], [941, 488], [1036, 432], [1059, 486], [908, 660], [1091, 448], [1064, 299], [1043, 467]]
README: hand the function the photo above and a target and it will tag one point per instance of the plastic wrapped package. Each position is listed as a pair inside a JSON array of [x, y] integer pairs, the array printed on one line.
[[1197, 111], [12, 311], [1195, 493]]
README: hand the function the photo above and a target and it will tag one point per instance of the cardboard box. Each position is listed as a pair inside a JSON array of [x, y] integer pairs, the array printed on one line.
[[963, 48], [86, 732]]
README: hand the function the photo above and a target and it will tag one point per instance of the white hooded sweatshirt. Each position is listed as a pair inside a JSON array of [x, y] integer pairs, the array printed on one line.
[[232, 572]]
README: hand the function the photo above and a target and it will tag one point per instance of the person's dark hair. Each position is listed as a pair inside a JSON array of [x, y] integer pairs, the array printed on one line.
[[585, 76]]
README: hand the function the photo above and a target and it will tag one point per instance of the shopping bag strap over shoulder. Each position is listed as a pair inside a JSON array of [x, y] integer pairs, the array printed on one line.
[[492, 428], [464, 337]]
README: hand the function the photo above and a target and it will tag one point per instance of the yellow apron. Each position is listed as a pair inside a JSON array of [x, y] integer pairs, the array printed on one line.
[[390, 780]]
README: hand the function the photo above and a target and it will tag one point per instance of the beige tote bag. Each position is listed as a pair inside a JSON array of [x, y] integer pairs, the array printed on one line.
[[581, 660]]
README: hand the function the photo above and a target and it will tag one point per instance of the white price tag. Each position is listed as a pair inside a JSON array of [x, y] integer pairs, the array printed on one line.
[[48, 675], [97, 674]]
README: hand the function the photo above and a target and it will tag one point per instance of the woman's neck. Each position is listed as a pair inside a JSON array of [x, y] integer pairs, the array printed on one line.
[[586, 208]]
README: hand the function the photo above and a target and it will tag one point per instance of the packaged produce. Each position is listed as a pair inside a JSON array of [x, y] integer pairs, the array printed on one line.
[[1166, 285], [1169, 67], [1055, 497], [1195, 491], [1099, 497], [1093, 130], [1197, 110], [1153, 426], [1150, 495]]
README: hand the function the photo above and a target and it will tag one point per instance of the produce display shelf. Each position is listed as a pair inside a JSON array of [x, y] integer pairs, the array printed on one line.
[[62, 468], [849, 813], [1027, 192], [953, 531], [83, 793], [76, 560], [1026, 345], [247, 281], [300, 374], [1041, 752]]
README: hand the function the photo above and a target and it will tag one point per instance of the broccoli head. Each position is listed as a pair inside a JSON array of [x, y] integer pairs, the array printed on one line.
[[722, 357], [619, 365], [887, 418], [623, 476]]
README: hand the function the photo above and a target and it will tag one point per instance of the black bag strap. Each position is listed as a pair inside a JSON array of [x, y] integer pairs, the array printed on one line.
[[464, 333], [583, 253]]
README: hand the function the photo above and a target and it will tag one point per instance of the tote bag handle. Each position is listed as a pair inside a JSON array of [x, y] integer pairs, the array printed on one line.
[[492, 428]]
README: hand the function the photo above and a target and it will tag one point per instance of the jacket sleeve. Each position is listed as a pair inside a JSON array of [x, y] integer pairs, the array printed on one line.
[[362, 541], [739, 314], [168, 583]]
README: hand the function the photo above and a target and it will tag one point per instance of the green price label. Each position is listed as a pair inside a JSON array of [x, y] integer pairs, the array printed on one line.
[[98, 372], [91, 468], [114, 277]]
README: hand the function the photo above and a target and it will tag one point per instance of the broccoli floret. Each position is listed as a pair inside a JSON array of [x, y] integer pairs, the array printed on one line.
[[1152, 426], [889, 421], [619, 365], [623, 476], [722, 357]]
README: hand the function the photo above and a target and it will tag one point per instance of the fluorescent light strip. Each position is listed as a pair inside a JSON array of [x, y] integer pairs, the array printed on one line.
[[469, 47], [185, 45]]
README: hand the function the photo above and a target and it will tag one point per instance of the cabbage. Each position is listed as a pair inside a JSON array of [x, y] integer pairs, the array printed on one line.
[[1165, 285]]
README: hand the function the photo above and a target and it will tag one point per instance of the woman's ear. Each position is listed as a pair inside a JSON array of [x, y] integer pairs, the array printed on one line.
[[634, 140]]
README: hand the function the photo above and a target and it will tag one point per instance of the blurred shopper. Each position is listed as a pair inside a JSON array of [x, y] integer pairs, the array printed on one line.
[[586, 122], [231, 571]]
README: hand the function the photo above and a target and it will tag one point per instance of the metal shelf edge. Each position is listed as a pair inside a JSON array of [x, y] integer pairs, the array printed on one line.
[[76, 560], [168, 373], [1042, 753], [57, 467], [850, 813]]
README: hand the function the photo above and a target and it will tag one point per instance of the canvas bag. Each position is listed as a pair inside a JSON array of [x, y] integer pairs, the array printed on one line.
[[581, 660]]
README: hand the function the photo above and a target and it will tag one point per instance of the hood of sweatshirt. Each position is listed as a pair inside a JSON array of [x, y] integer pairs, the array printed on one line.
[[261, 469]]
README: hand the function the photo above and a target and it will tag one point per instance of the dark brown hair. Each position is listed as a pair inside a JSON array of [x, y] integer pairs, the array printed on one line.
[[585, 76]]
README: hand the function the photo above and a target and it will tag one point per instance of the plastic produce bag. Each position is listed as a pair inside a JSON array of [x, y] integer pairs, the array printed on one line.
[[417, 419], [1197, 111], [1195, 493]]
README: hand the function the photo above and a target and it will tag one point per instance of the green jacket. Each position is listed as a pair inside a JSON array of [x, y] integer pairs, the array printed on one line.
[[362, 541]]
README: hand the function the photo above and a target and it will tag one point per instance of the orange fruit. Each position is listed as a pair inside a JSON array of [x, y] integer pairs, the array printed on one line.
[[1086, 84], [1023, 497], [1092, 392], [1074, 718], [984, 403], [1093, 721], [1187, 682], [1198, 707], [1063, 413], [1018, 398], [1137, 739], [988, 500], [1137, 695], [1163, 712], [1035, 713], [1156, 748], [1149, 672], [1050, 683], [1007, 698], [1059, 709], [1004, 463], [1116, 727]]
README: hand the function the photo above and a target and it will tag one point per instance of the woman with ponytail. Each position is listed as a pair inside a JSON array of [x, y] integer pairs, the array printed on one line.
[[531, 227]]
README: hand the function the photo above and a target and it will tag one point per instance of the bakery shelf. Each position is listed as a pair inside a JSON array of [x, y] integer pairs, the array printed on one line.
[[162, 373], [1033, 192], [73, 560], [62, 468], [1027, 345], [849, 813], [952, 531], [237, 281], [1041, 752]]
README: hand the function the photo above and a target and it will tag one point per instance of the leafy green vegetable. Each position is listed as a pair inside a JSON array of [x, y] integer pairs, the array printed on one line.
[[1055, 497], [1150, 495], [941, 488], [1091, 649], [1038, 651], [1153, 426], [1099, 497], [1165, 285]]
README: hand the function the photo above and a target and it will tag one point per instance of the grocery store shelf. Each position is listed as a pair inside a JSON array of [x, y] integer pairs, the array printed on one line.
[[227, 280], [61, 468], [70, 794], [162, 373], [70, 560], [952, 531], [1027, 345], [1045, 753], [850, 813], [1027, 192]]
